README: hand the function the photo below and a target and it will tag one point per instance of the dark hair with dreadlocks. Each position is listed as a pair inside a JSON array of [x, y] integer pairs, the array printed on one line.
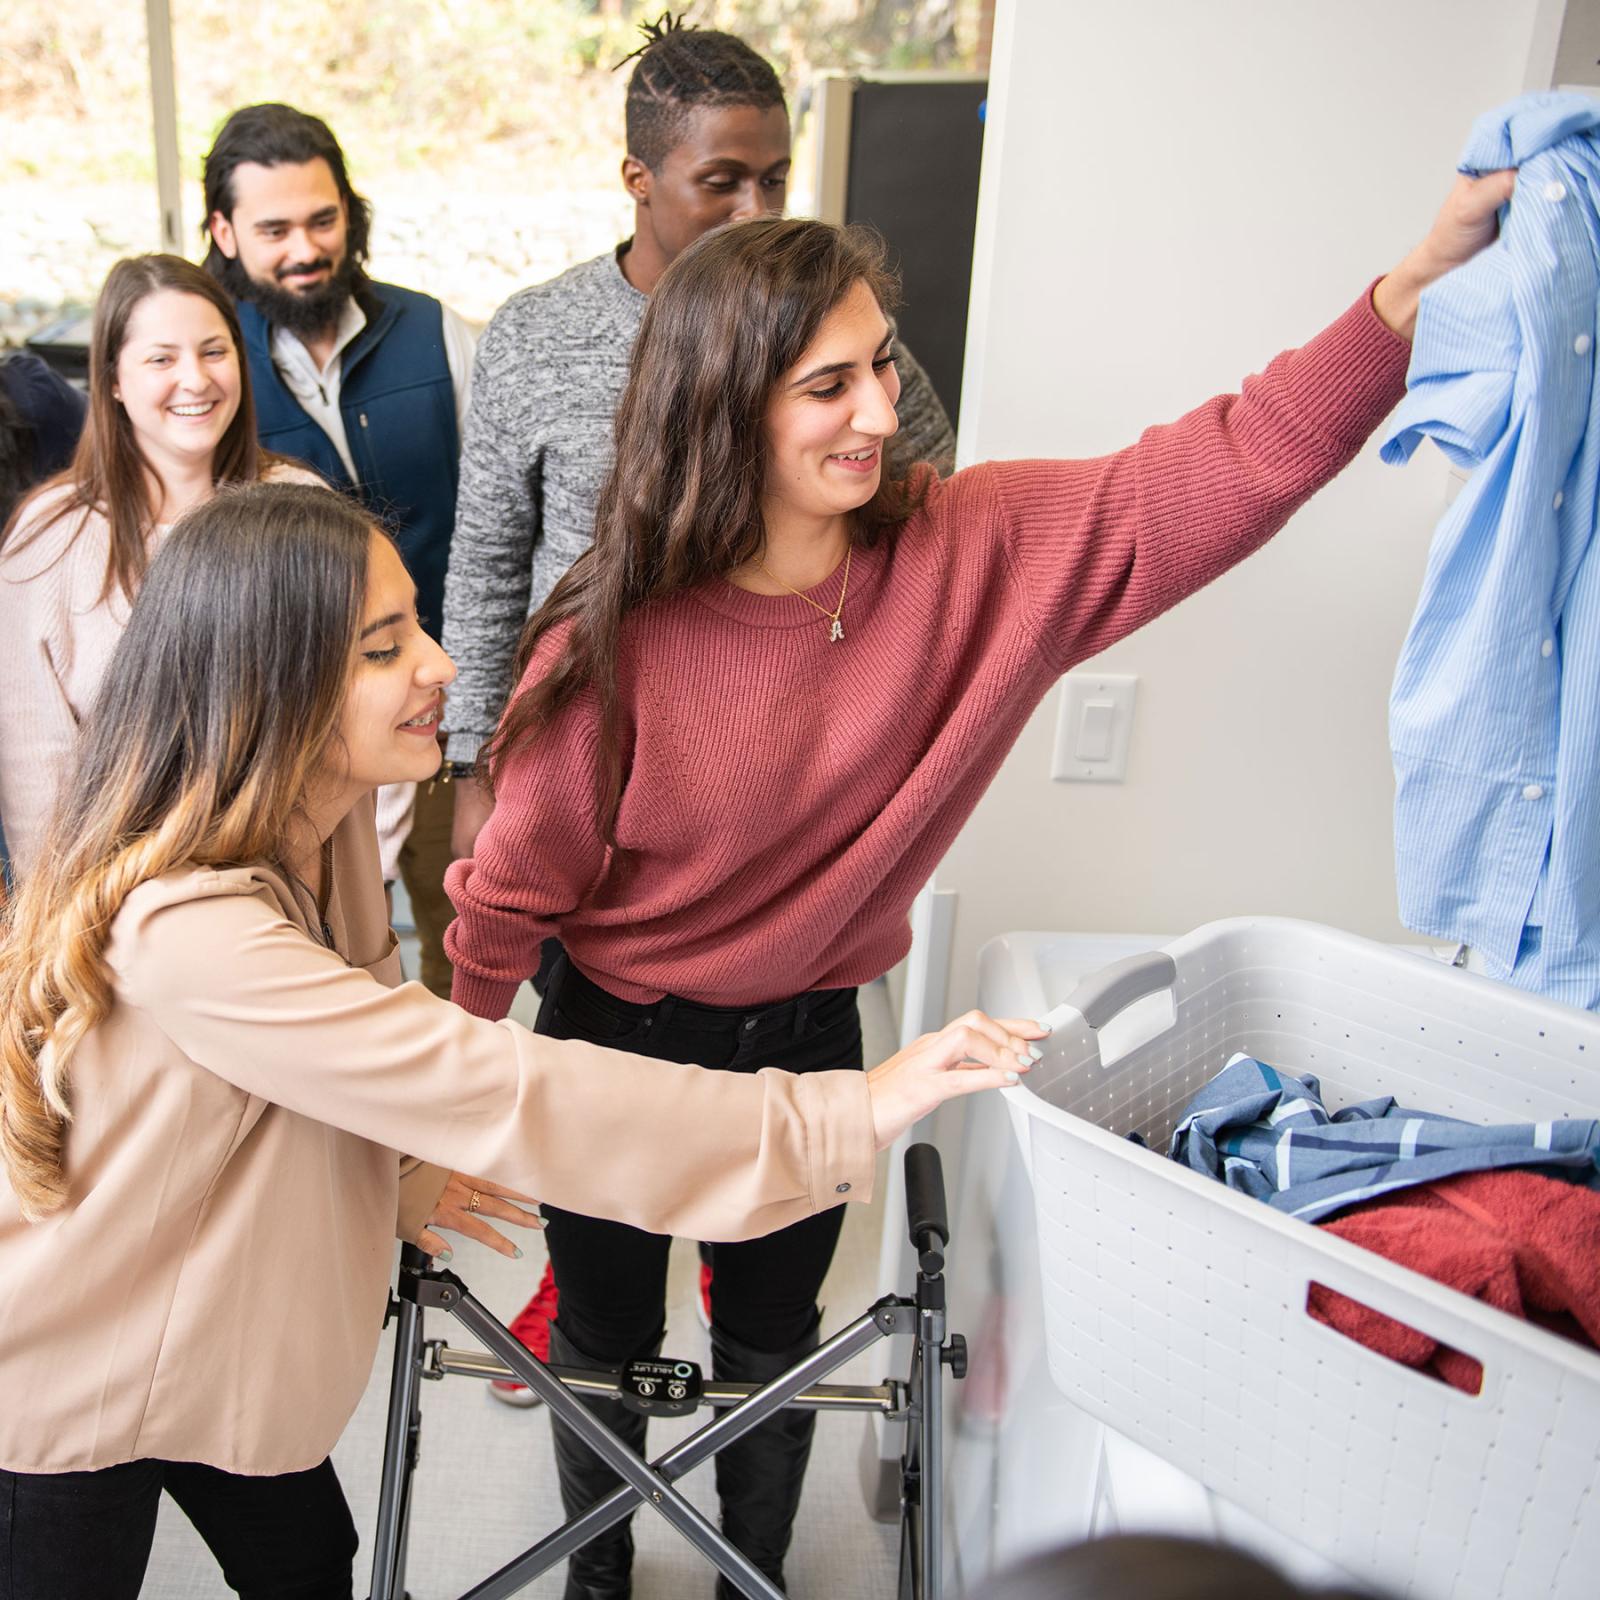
[[681, 67]]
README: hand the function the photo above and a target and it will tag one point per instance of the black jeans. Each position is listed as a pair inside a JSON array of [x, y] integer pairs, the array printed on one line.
[[613, 1278], [87, 1535]]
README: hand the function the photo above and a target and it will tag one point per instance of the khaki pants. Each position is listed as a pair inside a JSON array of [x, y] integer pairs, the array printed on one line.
[[423, 858]]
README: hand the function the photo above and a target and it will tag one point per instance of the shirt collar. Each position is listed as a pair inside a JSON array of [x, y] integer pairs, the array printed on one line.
[[619, 279]]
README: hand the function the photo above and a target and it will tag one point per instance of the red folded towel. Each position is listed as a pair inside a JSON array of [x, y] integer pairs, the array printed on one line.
[[1520, 1241]]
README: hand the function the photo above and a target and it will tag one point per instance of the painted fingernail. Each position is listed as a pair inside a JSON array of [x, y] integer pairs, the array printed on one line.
[[1012, 1077], [1035, 1052], [444, 1256], [1021, 1060], [516, 1252]]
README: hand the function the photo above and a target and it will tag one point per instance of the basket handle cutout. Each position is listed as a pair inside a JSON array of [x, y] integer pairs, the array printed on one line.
[[1112, 1003], [1114, 988], [1389, 1339]]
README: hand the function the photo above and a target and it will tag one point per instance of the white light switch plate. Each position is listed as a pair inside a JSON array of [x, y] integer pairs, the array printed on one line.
[[1094, 727]]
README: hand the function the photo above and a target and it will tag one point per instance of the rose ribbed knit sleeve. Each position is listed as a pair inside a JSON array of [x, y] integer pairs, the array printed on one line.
[[539, 852], [1100, 547]]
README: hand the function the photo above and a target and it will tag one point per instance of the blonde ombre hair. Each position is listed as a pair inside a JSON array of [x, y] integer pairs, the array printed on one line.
[[221, 703]]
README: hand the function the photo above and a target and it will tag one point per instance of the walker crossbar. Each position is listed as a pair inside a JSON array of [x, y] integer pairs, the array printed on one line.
[[740, 1407], [887, 1399]]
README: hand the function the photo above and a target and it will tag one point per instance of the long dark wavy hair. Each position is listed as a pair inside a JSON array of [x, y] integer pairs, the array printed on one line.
[[682, 506], [109, 473]]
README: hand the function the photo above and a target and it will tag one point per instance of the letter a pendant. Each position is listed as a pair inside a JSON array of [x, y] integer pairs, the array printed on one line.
[[836, 632]]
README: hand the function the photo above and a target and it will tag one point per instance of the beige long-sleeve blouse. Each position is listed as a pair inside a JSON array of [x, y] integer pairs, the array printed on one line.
[[214, 1287]]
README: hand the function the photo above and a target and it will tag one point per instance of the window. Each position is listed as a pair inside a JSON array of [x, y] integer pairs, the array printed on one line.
[[487, 133]]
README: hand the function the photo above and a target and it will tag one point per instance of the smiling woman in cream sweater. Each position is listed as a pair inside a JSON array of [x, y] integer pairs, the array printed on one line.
[[170, 418]]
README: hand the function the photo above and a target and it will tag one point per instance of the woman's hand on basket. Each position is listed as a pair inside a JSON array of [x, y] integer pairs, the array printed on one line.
[[974, 1052], [466, 1206]]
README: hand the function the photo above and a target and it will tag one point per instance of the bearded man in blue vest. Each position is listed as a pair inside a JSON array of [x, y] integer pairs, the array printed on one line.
[[363, 381]]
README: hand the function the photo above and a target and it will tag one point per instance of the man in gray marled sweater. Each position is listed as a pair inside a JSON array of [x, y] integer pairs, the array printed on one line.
[[708, 142]]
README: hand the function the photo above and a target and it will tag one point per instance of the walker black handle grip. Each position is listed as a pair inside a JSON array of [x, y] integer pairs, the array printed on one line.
[[930, 1225]]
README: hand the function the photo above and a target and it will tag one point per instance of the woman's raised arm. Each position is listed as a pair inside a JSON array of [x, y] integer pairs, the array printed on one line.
[[1101, 546]]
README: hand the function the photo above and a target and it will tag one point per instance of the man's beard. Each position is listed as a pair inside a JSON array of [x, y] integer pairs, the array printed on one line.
[[304, 314]]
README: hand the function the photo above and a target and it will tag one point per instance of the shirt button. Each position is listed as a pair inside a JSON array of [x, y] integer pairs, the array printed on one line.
[[1547, 649], [841, 1188], [1581, 344], [750, 1023], [1555, 191], [1534, 791], [1558, 499]]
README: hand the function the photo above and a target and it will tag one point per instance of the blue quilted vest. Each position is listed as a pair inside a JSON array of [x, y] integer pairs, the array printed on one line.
[[399, 409]]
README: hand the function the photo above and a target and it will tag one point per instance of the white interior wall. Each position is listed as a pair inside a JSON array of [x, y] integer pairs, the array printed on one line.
[[1172, 192]]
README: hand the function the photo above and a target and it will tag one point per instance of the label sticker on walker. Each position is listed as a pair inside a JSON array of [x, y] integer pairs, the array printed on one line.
[[661, 1388]]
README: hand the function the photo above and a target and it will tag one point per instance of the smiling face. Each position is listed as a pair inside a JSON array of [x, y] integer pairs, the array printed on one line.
[[829, 414], [392, 708], [177, 378], [288, 234], [731, 164]]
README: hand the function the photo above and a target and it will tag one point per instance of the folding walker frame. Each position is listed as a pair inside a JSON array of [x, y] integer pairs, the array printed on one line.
[[666, 1387]]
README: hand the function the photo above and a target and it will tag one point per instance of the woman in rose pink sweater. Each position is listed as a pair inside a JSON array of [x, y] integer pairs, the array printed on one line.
[[752, 718]]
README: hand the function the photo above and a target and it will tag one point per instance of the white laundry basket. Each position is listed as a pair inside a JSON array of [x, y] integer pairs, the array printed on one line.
[[1175, 1309]]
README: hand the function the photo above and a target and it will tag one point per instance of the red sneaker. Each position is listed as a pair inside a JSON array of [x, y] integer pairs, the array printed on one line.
[[532, 1326], [703, 1300]]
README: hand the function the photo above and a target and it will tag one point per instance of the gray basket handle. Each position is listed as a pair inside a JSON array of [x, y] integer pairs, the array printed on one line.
[[1099, 998]]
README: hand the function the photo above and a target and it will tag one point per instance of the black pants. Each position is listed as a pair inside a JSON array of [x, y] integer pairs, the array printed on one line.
[[613, 1278], [87, 1535]]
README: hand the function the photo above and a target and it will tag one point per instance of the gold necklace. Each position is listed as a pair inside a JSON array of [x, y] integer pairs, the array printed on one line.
[[836, 632]]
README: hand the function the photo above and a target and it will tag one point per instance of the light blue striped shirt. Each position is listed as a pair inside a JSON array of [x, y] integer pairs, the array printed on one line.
[[1495, 713]]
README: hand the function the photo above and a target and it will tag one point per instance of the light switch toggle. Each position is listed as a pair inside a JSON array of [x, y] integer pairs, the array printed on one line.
[[1094, 728]]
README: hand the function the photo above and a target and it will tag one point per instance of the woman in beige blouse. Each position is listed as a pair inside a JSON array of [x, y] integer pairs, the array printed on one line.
[[205, 1074]]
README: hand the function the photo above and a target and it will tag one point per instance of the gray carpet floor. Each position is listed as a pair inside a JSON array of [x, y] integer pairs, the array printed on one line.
[[485, 1486]]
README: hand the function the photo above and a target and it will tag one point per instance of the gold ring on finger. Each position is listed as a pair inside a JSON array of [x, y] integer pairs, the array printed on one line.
[[475, 1201]]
